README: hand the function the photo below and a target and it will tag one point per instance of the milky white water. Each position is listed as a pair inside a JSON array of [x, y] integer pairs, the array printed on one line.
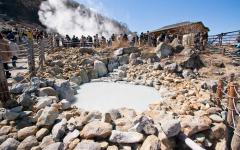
[[104, 96]]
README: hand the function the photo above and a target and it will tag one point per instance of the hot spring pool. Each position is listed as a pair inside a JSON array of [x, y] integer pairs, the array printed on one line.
[[104, 96]]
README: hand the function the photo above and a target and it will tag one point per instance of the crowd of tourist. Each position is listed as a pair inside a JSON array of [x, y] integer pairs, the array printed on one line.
[[10, 39]]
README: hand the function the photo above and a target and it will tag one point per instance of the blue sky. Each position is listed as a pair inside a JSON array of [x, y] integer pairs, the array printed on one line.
[[142, 15]]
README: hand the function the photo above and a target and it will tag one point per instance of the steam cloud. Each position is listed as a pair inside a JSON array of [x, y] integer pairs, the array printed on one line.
[[69, 17]]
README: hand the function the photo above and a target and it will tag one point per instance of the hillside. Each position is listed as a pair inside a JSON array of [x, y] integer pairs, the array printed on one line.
[[20, 10]]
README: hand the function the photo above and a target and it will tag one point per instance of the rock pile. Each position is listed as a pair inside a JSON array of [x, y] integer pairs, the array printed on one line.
[[44, 118]]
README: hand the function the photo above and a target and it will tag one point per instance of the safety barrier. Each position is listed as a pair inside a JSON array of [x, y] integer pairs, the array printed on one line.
[[233, 97], [227, 38]]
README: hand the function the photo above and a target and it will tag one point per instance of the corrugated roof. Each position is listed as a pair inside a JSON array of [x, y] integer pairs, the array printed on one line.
[[175, 25]]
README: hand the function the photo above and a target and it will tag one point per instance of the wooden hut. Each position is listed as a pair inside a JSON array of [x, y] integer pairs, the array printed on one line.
[[181, 28]]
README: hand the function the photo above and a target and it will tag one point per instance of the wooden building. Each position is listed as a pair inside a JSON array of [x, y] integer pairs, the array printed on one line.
[[181, 28]]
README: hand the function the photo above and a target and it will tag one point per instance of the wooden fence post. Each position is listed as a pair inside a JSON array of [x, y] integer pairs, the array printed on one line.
[[235, 144], [4, 91], [31, 59], [231, 103], [219, 92]]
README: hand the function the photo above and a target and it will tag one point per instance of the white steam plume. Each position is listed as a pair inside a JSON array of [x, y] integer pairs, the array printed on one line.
[[69, 17]]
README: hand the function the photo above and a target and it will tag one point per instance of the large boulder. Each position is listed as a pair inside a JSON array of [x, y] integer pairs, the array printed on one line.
[[151, 143], [192, 61], [64, 89], [101, 68], [164, 50], [9, 144], [96, 129], [125, 137], [48, 116], [177, 46], [88, 145]]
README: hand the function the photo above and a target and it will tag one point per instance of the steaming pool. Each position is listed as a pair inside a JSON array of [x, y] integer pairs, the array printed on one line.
[[103, 96]]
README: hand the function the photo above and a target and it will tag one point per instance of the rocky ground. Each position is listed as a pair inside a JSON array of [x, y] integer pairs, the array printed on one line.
[[43, 117]]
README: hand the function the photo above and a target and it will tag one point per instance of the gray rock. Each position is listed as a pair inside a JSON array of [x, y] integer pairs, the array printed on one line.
[[25, 100], [146, 126], [76, 80], [65, 104], [216, 118], [18, 88], [115, 114], [188, 74], [11, 115], [113, 64], [16, 109], [47, 91], [171, 127], [101, 68], [171, 67], [28, 143], [42, 102], [133, 56], [55, 146], [164, 50], [64, 89], [71, 136], [125, 137], [118, 52], [88, 145], [84, 76], [48, 116], [136, 62], [96, 129], [123, 60], [59, 129], [9, 144]]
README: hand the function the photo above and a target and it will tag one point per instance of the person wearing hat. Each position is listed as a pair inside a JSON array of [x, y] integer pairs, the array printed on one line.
[[5, 54]]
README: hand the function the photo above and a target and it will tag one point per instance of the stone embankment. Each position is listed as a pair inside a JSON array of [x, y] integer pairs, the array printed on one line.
[[44, 119]]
